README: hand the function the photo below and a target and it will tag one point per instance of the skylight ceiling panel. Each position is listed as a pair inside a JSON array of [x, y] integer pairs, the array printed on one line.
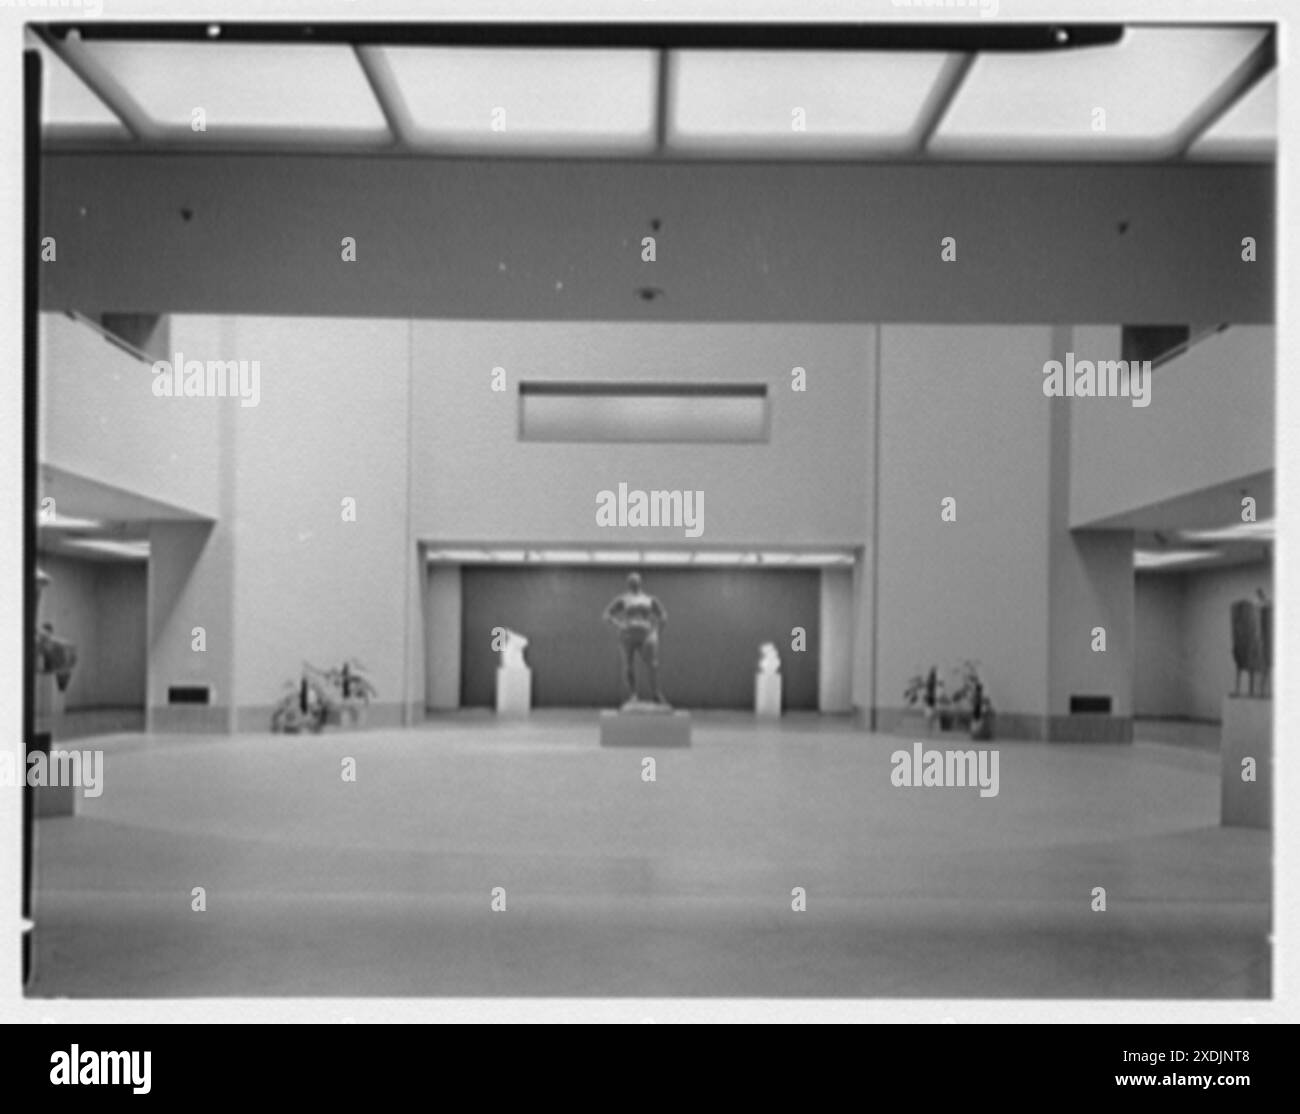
[[1132, 99], [244, 92], [801, 103], [518, 101]]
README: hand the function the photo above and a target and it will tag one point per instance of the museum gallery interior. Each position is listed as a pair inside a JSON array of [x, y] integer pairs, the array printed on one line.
[[646, 511]]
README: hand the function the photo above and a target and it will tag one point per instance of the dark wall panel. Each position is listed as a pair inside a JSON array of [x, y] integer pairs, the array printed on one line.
[[750, 241], [716, 620]]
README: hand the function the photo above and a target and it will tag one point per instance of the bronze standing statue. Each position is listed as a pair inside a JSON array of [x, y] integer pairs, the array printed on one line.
[[53, 655], [1252, 651], [638, 617]]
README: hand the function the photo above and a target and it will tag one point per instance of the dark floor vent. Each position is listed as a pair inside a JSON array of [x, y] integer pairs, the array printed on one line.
[[189, 694], [1090, 705]]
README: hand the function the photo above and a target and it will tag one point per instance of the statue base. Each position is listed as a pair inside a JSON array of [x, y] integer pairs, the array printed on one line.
[[1247, 732], [767, 695], [645, 726], [636, 706], [514, 690]]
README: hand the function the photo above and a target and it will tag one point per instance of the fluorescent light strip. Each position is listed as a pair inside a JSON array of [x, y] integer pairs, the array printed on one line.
[[1164, 558], [823, 559], [1264, 530], [68, 522], [575, 555], [459, 556], [667, 557], [137, 551], [565, 556]]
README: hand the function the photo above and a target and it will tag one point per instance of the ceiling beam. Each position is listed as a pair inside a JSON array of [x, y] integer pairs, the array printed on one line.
[[954, 37], [1252, 70], [663, 109], [945, 91], [387, 95], [71, 51]]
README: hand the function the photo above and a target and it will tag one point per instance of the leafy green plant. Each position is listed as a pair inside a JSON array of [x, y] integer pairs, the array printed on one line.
[[323, 696], [351, 681], [925, 689], [972, 699]]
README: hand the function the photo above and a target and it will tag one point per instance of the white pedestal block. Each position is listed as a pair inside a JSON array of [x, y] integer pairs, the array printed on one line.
[[645, 730], [1247, 732], [55, 800], [767, 694], [514, 690]]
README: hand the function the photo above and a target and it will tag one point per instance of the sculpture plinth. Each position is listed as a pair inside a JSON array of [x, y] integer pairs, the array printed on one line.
[[767, 695], [514, 690], [1246, 763], [651, 728]]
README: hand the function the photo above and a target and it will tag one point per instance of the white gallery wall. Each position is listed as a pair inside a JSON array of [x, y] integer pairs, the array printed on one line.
[[373, 436], [475, 480], [1210, 421]]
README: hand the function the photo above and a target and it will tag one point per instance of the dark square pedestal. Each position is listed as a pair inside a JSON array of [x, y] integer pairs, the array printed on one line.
[[645, 730]]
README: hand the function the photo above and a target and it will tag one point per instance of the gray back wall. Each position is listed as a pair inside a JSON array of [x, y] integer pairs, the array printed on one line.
[[716, 620]]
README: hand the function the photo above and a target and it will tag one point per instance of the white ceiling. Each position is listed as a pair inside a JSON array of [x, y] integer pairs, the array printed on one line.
[[1158, 93]]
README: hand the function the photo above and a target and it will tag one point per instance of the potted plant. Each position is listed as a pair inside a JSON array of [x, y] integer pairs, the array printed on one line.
[[322, 697], [302, 706], [352, 691], [926, 691], [972, 696]]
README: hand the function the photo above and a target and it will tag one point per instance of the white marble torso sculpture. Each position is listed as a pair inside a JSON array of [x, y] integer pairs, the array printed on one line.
[[512, 653], [514, 678]]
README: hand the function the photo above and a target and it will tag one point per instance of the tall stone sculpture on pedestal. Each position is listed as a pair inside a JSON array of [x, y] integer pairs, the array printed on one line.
[[1246, 734], [55, 660], [1265, 642], [55, 657], [639, 618], [1251, 631]]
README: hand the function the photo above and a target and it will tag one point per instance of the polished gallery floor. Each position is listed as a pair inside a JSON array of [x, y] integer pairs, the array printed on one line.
[[617, 886]]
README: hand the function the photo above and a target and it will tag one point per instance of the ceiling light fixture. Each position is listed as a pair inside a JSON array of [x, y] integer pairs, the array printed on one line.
[[1160, 559]]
